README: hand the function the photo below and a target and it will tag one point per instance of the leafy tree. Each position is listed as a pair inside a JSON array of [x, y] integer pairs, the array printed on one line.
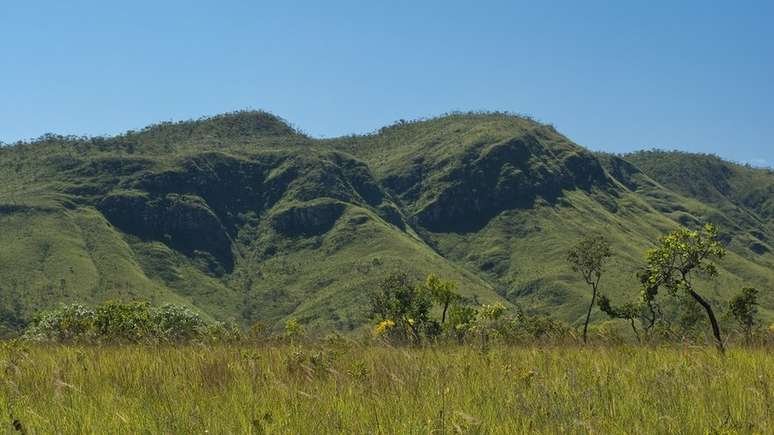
[[651, 310], [678, 257], [628, 311], [461, 320], [399, 299], [588, 258], [743, 308], [491, 322], [442, 293]]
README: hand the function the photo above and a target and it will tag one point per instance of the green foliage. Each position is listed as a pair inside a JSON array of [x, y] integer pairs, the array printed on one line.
[[537, 327], [678, 256], [224, 215], [744, 308], [443, 293], [402, 301], [690, 318], [495, 322], [178, 323], [629, 311], [461, 320], [491, 322], [588, 258], [69, 322], [117, 322], [258, 330], [294, 330], [625, 311], [682, 253]]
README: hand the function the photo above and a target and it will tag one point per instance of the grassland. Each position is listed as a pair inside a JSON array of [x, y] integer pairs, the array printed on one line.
[[349, 388]]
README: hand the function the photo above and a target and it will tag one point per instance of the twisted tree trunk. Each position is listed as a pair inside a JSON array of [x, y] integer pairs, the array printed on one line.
[[588, 314], [712, 319]]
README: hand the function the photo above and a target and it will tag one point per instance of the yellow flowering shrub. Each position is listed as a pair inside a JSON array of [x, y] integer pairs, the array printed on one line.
[[383, 327]]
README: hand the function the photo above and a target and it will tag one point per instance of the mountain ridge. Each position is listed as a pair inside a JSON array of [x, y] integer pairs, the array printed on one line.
[[245, 218]]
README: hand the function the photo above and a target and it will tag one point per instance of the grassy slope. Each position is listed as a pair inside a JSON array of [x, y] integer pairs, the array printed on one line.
[[738, 198], [265, 189], [246, 218], [521, 250]]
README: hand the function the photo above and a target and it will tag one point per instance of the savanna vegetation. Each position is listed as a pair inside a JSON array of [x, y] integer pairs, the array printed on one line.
[[432, 361], [471, 273], [350, 388]]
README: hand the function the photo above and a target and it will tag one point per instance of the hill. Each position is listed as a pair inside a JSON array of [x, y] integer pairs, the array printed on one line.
[[244, 217]]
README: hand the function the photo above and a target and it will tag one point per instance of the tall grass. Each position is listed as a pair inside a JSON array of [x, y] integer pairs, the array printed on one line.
[[347, 388]]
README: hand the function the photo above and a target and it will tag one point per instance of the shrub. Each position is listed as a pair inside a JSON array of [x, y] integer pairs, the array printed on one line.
[[116, 321], [402, 301], [294, 330], [178, 323], [220, 331], [540, 327], [461, 320], [258, 331], [743, 308], [67, 323], [491, 322], [443, 293], [126, 322]]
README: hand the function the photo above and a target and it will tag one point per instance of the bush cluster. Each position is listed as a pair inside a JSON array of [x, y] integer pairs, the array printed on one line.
[[406, 311], [130, 322], [402, 309]]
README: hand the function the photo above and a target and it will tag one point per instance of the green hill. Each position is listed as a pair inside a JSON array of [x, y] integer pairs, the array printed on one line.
[[245, 218]]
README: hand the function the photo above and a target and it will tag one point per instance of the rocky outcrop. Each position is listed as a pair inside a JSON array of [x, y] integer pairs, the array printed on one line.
[[506, 175], [184, 222], [307, 219]]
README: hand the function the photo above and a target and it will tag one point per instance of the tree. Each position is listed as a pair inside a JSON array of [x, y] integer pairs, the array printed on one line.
[[651, 310], [490, 322], [442, 293], [588, 258], [678, 257], [628, 311], [461, 320], [743, 308], [400, 300]]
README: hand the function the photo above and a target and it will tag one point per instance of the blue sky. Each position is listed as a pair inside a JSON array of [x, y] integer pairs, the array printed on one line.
[[614, 76]]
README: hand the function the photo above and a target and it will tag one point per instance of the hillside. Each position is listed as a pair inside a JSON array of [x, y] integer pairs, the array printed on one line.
[[245, 218]]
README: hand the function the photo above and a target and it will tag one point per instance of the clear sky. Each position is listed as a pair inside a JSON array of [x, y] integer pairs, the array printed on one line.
[[614, 76]]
